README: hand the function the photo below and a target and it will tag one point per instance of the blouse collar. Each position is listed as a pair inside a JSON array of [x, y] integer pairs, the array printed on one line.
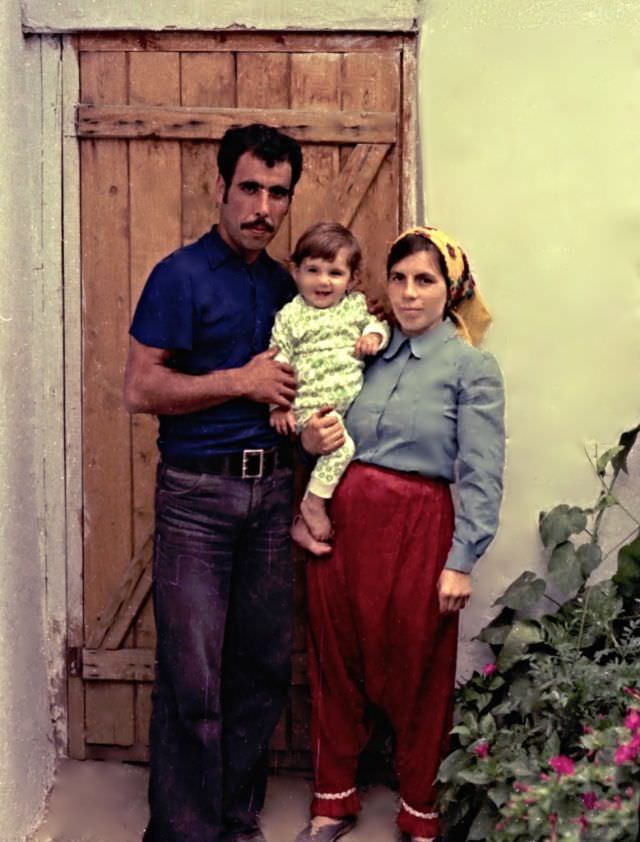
[[423, 343]]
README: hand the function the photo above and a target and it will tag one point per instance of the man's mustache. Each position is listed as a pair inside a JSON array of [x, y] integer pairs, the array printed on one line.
[[258, 223]]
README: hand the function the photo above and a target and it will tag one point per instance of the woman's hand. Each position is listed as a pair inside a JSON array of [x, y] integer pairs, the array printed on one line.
[[454, 590], [323, 432]]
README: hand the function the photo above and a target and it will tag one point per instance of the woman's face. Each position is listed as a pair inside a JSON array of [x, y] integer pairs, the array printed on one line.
[[417, 292]]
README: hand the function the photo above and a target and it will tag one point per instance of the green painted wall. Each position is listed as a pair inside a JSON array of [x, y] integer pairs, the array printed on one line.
[[530, 116]]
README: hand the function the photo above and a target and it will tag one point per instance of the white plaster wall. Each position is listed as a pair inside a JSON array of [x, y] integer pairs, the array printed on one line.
[[529, 122], [26, 752], [69, 15]]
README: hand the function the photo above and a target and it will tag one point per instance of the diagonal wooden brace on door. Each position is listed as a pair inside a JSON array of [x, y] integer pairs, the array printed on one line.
[[115, 622], [345, 194]]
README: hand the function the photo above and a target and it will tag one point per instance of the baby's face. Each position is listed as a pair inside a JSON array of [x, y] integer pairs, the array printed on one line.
[[322, 283]]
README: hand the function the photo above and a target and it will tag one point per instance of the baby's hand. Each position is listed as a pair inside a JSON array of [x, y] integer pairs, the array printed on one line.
[[368, 344], [283, 420]]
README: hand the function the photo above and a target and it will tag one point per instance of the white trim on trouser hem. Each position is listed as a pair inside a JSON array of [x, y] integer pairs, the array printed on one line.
[[335, 796], [416, 813]]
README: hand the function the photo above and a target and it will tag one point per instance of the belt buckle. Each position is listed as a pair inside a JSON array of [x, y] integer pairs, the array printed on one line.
[[246, 471]]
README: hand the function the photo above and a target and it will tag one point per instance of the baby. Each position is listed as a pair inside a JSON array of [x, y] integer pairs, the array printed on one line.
[[324, 333]]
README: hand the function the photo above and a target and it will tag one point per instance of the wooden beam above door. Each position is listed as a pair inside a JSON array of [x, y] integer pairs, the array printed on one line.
[[198, 123]]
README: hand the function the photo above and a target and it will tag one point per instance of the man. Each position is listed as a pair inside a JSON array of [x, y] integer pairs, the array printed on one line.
[[221, 570]]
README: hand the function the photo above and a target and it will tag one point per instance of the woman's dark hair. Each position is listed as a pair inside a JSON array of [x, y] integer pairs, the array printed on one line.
[[266, 143], [324, 240], [412, 244]]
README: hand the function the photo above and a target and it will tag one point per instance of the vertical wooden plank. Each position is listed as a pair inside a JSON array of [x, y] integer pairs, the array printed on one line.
[[411, 185], [106, 471], [206, 79], [156, 230], [371, 81], [316, 85], [263, 82], [73, 388], [103, 78]]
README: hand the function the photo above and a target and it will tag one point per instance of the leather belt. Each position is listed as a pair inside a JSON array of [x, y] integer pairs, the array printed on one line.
[[245, 464]]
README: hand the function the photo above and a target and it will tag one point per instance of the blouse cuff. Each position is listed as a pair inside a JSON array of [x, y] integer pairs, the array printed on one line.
[[461, 558]]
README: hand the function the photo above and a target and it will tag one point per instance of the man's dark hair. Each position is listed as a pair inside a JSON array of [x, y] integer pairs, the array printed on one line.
[[266, 143]]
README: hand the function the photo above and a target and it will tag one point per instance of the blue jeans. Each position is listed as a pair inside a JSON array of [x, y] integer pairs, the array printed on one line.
[[222, 603]]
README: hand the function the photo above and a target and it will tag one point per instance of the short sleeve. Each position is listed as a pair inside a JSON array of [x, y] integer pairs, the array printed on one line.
[[164, 314]]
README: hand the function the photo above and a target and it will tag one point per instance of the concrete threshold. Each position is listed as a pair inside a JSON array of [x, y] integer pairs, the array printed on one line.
[[107, 802]]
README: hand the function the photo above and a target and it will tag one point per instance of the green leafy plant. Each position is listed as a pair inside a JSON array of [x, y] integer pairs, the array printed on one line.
[[557, 676]]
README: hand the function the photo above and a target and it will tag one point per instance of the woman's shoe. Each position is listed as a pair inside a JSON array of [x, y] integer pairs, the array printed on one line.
[[326, 832]]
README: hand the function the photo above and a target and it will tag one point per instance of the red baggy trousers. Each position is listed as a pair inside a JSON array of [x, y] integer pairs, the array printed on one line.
[[376, 633]]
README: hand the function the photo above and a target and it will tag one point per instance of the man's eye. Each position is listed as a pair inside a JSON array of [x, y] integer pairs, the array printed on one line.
[[249, 187], [278, 193], [396, 279]]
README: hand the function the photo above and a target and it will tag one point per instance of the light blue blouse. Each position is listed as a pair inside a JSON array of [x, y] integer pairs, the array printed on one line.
[[433, 404]]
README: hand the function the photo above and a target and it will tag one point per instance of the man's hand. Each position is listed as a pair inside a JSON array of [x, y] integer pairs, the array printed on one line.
[[323, 432], [265, 380], [367, 345], [454, 590], [283, 420]]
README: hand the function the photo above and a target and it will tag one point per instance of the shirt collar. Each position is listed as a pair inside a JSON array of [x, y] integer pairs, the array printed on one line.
[[218, 252], [423, 343]]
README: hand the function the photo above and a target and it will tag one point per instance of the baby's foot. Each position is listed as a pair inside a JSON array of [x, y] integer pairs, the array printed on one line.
[[301, 535], [313, 509]]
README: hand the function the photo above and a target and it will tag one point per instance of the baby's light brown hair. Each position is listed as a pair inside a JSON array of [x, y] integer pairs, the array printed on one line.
[[324, 240]]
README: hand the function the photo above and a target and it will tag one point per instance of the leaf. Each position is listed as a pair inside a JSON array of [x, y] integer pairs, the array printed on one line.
[[565, 568], [483, 824], [627, 440], [523, 593], [608, 456], [500, 794], [452, 765], [494, 635], [627, 577], [478, 776], [560, 523], [523, 634], [488, 726], [524, 693], [552, 746], [590, 557]]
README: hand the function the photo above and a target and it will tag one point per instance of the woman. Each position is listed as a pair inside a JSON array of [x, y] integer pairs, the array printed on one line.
[[383, 619]]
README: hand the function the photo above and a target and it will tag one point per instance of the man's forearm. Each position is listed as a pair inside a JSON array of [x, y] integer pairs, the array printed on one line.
[[166, 392]]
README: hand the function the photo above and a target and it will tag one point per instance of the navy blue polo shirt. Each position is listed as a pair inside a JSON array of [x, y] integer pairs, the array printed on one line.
[[214, 312]]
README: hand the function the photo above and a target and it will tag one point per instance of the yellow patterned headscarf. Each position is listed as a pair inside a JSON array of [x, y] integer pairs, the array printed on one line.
[[467, 307]]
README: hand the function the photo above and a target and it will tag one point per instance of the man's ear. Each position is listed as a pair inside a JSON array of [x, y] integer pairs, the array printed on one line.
[[220, 189]]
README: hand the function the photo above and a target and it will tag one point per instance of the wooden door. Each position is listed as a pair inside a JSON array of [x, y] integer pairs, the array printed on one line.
[[153, 108]]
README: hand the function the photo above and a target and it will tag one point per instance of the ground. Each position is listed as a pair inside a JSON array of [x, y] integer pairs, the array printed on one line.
[[106, 802]]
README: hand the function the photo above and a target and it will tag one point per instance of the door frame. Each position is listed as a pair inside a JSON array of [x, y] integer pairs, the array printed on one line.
[[59, 82]]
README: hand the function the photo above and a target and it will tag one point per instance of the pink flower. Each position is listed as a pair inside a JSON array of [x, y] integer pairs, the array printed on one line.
[[520, 786], [489, 669], [624, 754], [632, 720], [544, 776], [587, 729], [482, 749], [589, 799], [562, 764]]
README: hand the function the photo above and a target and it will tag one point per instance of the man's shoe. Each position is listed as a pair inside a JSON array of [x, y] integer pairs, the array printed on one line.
[[327, 832], [250, 836]]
